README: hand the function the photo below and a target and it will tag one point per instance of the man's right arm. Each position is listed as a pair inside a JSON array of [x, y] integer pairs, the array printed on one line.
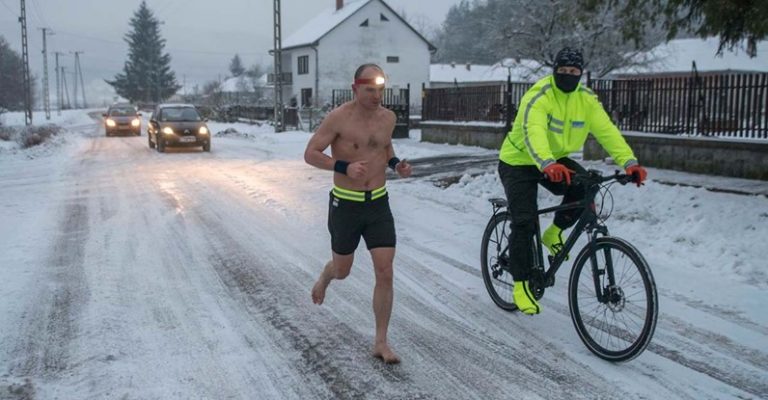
[[323, 137], [535, 133]]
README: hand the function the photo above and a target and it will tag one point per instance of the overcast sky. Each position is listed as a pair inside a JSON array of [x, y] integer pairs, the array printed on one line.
[[202, 35]]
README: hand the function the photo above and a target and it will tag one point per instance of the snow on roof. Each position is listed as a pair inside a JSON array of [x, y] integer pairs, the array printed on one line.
[[323, 23], [522, 71], [678, 55], [242, 83]]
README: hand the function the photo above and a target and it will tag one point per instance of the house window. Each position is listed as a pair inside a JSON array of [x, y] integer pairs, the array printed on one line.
[[393, 59], [384, 17], [306, 97], [303, 65], [365, 23]]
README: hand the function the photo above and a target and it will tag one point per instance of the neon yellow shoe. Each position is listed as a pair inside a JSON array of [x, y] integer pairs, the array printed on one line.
[[524, 299], [552, 238]]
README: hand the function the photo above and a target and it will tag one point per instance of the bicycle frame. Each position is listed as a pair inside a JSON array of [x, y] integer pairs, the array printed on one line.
[[587, 222]]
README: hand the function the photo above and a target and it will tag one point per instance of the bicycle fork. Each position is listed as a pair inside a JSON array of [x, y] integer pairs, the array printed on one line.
[[608, 293]]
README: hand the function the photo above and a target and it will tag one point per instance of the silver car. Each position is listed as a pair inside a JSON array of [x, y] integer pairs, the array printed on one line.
[[122, 119]]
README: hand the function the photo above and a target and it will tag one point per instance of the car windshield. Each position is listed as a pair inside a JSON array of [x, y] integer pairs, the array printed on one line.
[[122, 112], [179, 114]]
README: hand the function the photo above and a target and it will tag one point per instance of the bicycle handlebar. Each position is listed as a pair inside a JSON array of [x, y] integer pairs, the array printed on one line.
[[595, 177]]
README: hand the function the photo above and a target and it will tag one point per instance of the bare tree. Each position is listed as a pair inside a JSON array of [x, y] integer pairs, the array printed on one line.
[[540, 28]]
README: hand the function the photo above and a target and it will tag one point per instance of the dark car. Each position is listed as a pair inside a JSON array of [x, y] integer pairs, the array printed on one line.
[[122, 118], [177, 125]]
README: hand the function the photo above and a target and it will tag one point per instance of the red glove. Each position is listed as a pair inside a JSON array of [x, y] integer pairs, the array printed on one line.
[[557, 172], [638, 174]]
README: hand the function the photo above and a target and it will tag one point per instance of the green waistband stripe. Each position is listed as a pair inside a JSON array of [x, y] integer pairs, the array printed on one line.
[[354, 195]]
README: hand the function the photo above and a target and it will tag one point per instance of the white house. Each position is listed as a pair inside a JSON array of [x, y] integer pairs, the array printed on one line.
[[324, 54]]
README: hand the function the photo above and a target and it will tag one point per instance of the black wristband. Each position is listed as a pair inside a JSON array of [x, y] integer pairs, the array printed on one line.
[[341, 166], [393, 162]]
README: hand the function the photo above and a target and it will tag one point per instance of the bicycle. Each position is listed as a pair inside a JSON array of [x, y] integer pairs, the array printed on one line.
[[611, 292]]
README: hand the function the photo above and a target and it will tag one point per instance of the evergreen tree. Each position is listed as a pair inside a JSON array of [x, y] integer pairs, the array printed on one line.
[[147, 74], [464, 36], [236, 66], [11, 78], [737, 23]]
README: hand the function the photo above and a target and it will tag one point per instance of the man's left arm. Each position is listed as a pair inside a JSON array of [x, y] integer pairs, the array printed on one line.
[[402, 167], [609, 136]]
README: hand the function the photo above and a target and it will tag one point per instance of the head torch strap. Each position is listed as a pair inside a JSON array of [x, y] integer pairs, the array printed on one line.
[[369, 81]]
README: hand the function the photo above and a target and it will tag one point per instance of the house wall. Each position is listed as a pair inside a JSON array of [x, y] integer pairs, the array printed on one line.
[[305, 81], [347, 46]]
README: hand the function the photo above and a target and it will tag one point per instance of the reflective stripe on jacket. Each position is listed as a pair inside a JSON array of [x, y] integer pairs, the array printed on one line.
[[551, 124]]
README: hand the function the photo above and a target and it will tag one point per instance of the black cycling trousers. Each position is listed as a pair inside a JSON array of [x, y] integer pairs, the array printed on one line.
[[521, 185]]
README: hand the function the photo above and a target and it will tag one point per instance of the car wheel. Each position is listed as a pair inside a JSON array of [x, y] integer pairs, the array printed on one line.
[[207, 146], [150, 142], [160, 145]]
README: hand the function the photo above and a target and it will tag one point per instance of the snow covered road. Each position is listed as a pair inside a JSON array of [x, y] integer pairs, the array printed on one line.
[[132, 274]]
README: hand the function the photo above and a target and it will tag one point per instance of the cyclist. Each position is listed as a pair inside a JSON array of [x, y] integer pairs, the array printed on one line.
[[553, 120]]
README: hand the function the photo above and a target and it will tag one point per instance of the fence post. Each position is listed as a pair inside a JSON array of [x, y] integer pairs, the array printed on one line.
[[508, 106], [423, 99], [408, 108]]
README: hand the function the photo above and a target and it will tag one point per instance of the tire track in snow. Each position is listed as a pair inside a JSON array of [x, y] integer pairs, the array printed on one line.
[[692, 339], [44, 350], [267, 297]]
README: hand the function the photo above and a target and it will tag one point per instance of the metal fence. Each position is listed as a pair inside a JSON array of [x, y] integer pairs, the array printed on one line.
[[733, 105], [727, 105]]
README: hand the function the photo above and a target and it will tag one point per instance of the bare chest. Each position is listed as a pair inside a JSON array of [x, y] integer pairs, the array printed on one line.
[[364, 137]]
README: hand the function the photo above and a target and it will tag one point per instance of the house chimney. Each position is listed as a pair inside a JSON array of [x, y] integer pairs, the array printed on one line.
[[339, 4]]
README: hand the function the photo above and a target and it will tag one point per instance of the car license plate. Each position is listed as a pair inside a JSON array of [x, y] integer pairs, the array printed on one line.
[[187, 139]]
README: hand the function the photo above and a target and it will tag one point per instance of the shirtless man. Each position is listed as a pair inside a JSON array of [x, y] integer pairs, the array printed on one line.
[[360, 135]]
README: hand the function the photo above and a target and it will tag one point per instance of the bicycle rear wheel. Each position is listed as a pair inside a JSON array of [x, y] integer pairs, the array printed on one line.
[[495, 243], [620, 327]]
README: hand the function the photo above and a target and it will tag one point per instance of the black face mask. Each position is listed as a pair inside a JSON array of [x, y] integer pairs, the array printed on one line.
[[567, 82]]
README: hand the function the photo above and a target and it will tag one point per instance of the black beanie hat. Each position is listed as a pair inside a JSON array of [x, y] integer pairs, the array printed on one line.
[[569, 57]]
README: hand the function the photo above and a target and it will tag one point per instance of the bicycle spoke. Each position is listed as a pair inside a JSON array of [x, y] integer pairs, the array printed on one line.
[[619, 328]]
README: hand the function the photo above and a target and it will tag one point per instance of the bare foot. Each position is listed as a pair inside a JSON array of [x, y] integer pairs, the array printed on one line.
[[318, 291], [386, 354]]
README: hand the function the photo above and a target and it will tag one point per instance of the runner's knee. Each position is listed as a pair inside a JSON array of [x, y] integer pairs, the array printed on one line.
[[384, 273]]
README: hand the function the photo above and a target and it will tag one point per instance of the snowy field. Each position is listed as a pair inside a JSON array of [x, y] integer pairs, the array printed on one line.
[[130, 274]]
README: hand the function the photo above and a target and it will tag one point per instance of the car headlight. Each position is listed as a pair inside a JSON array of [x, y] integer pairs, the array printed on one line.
[[167, 130], [110, 123], [203, 130], [136, 122]]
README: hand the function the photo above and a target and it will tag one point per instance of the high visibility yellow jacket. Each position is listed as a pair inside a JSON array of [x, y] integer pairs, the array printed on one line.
[[551, 124]]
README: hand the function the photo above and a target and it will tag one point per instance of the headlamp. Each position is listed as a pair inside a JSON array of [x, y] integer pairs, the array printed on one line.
[[378, 81]]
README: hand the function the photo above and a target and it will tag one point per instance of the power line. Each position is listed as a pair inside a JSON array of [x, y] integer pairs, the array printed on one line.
[[9, 8], [170, 49], [38, 13]]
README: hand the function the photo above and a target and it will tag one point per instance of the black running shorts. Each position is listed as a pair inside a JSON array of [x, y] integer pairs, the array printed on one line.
[[348, 220]]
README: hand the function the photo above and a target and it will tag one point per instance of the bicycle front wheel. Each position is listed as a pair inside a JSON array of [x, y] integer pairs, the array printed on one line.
[[615, 318], [493, 255]]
